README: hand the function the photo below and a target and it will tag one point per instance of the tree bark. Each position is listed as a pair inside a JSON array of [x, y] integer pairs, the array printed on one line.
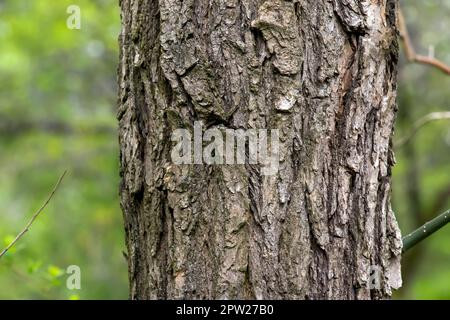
[[323, 72]]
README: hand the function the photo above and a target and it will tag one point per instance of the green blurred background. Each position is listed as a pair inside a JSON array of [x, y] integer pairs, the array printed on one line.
[[57, 112]]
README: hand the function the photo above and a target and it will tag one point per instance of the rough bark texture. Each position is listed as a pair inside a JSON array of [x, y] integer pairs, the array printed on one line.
[[321, 71]]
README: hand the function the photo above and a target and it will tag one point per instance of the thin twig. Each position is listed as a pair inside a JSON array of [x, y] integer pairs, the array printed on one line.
[[434, 116], [425, 231], [411, 54], [35, 216]]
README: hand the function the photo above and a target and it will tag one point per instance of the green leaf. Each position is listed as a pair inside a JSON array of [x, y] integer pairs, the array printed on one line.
[[33, 266], [54, 271], [7, 240]]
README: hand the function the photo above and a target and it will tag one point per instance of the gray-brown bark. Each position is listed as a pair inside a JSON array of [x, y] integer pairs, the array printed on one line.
[[324, 73]]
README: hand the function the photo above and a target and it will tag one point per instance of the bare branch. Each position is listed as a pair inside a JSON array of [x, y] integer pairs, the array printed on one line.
[[420, 123], [35, 216], [411, 54], [425, 231]]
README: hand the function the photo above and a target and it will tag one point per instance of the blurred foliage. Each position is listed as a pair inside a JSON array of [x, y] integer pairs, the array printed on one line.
[[57, 112], [421, 177]]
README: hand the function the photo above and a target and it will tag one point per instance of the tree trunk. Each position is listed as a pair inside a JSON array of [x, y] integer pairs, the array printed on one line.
[[322, 72]]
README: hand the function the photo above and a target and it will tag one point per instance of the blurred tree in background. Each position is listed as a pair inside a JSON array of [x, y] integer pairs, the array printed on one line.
[[421, 182], [57, 112]]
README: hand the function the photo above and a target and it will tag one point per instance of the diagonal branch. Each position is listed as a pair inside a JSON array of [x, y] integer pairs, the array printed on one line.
[[35, 216], [425, 231], [411, 54], [420, 123]]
